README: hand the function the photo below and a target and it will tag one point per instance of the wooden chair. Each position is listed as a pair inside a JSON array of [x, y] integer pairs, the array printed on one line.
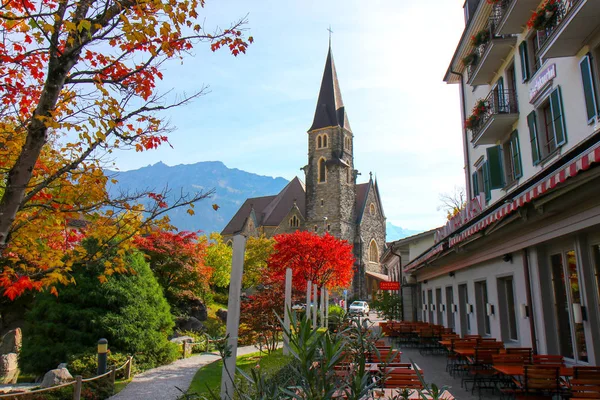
[[471, 336], [454, 362], [526, 352], [510, 359], [540, 381], [480, 369], [550, 360], [386, 356], [406, 380]]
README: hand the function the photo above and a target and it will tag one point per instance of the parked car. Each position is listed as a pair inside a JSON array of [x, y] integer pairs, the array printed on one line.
[[299, 307], [359, 307]]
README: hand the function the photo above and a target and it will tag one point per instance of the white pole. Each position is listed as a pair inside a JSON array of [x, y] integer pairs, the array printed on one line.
[[316, 300], [287, 310], [326, 308], [346, 300], [308, 291], [322, 308], [233, 315]]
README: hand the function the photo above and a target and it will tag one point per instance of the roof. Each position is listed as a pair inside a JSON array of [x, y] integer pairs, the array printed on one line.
[[269, 210], [330, 109], [362, 194]]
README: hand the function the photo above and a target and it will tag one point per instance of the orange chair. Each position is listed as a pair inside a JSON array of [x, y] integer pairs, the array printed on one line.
[[550, 360]]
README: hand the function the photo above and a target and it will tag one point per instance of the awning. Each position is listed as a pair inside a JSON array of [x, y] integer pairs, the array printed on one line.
[[380, 277], [576, 166]]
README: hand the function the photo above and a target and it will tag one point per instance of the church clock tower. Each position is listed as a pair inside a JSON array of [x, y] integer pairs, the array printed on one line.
[[330, 174]]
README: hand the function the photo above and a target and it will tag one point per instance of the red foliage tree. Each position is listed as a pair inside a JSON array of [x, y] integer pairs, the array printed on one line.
[[177, 260], [324, 260], [258, 316]]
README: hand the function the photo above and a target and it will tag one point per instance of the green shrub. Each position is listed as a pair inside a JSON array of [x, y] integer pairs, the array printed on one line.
[[200, 338], [86, 365], [220, 297], [129, 310]]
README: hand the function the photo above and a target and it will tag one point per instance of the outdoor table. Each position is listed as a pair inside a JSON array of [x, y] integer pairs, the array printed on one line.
[[390, 393], [374, 367], [470, 352], [519, 370], [446, 343]]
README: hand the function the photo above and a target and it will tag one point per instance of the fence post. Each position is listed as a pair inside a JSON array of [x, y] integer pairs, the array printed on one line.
[[128, 368], [77, 388], [185, 349], [113, 376]]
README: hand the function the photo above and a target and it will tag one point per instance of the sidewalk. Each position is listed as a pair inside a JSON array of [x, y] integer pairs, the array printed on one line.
[[160, 383]]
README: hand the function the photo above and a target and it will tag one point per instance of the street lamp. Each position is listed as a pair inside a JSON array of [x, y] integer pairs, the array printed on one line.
[[324, 224]]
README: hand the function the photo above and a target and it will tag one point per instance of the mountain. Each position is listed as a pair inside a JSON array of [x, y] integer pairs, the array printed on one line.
[[232, 187], [394, 232]]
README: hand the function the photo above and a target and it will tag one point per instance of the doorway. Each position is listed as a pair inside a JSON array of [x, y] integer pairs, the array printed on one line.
[[463, 299], [431, 306], [439, 305], [449, 310]]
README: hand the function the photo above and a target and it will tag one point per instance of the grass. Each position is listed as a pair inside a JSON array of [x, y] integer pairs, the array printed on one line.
[[210, 375], [120, 384]]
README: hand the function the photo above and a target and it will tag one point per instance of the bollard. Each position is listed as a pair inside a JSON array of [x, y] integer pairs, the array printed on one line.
[[102, 356], [77, 388]]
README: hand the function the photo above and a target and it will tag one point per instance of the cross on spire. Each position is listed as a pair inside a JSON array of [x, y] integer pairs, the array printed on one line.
[[330, 32]]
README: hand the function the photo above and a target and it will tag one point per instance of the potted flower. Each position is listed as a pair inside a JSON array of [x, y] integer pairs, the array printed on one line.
[[479, 110], [544, 16], [480, 38], [470, 59]]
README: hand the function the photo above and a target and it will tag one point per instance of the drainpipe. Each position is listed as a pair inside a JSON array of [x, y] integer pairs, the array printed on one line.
[[400, 280], [529, 300], [463, 110]]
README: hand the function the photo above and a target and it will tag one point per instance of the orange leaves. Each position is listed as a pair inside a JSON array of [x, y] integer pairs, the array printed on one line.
[[234, 41]]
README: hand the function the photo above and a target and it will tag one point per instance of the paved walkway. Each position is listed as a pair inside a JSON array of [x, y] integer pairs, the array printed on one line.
[[161, 383]]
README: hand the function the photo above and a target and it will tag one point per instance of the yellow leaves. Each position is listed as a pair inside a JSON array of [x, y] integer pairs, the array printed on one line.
[[190, 211], [69, 26], [102, 278], [84, 24]]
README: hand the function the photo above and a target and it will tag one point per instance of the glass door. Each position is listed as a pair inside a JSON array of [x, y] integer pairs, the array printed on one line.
[[567, 298]]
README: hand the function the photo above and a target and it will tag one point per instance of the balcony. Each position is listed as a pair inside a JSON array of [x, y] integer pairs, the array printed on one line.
[[489, 56], [493, 117], [513, 15], [569, 27]]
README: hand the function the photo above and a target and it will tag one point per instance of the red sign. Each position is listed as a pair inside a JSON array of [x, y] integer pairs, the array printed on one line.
[[384, 285]]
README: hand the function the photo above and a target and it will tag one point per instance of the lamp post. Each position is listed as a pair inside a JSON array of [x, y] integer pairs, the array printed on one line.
[[102, 355]]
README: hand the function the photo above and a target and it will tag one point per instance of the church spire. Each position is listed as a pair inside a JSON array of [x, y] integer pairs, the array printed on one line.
[[330, 107]]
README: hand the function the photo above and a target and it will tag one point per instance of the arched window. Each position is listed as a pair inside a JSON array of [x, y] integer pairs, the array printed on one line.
[[324, 140], [319, 142], [294, 222], [373, 252], [230, 243], [316, 228], [372, 209], [322, 171]]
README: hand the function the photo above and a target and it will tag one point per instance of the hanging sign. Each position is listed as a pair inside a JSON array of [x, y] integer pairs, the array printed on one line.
[[541, 82], [386, 285]]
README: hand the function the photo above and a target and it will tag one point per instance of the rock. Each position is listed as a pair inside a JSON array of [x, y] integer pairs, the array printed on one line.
[[9, 368], [193, 307], [61, 366], [189, 324], [56, 377], [11, 342], [182, 339], [222, 315]]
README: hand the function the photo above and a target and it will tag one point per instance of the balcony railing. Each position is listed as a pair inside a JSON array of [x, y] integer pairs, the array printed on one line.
[[512, 15], [496, 114], [562, 10]]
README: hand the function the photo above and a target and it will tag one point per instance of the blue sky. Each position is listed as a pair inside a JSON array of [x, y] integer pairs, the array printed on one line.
[[390, 58]]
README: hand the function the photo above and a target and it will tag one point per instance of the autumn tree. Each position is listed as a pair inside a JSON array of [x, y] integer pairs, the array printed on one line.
[[218, 257], [259, 315], [77, 82], [177, 261], [453, 202], [258, 251], [324, 260]]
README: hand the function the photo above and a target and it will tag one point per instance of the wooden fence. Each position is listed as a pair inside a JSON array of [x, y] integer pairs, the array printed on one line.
[[77, 383]]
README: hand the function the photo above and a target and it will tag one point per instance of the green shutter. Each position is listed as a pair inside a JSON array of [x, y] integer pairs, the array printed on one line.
[[486, 181], [535, 145], [589, 90], [558, 117], [495, 167], [475, 185], [516, 155], [524, 60]]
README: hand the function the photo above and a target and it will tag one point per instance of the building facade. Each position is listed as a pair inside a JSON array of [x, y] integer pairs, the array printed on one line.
[[331, 200], [521, 262]]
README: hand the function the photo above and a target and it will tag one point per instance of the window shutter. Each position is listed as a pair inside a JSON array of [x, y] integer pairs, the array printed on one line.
[[524, 60], [516, 155], [535, 146], [475, 184], [486, 181], [558, 117], [589, 90], [495, 169]]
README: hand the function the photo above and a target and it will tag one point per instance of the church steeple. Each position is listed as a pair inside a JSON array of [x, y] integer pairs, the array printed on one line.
[[330, 106]]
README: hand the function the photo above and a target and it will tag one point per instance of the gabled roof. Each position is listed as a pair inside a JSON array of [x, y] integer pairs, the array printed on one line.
[[330, 106], [281, 205], [269, 210], [258, 204], [362, 194]]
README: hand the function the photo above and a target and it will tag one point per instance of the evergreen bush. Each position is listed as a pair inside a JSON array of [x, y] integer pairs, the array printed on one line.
[[129, 310]]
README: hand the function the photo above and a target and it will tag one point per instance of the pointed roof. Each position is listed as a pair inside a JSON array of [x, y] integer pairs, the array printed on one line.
[[330, 106], [362, 194]]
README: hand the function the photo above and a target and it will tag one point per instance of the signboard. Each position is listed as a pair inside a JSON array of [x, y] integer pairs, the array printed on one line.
[[385, 285], [540, 83]]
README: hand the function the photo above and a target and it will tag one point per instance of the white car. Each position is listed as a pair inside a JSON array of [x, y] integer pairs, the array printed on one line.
[[359, 307]]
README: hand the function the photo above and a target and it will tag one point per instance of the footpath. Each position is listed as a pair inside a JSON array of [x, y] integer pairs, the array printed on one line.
[[161, 383]]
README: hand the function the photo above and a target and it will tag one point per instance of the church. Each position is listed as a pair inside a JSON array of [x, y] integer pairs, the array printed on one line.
[[331, 200]]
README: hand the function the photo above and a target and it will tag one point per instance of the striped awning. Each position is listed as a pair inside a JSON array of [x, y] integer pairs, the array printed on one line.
[[573, 168]]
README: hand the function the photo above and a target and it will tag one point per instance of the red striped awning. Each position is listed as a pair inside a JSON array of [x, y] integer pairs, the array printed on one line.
[[582, 163]]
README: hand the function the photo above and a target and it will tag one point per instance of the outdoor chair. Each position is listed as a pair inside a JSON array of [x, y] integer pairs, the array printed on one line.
[[539, 381], [550, 360], [526, 352], [454, 362], [404, 380], [480, 370]]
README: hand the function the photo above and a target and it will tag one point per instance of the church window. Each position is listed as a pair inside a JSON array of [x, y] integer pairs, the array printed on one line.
[[322, 171], [372, 209], [230, 243], [328, 227], [316, 228], [324, 140], [322, 202], [294, 222], [373, 252], [319, 142]]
